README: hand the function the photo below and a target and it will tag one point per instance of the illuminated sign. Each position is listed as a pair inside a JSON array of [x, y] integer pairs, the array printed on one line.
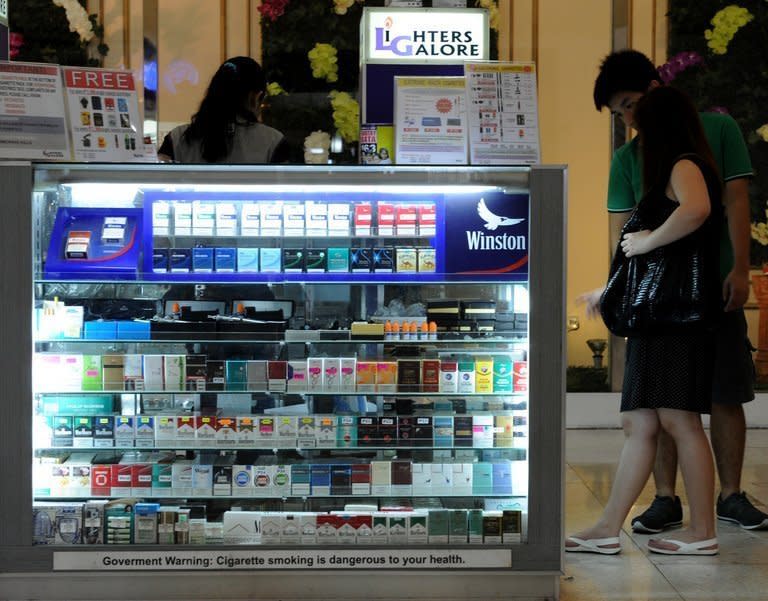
[[394, 35]]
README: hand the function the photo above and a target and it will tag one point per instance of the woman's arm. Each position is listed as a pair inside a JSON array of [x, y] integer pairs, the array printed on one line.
[[165, 152], [689, 189]]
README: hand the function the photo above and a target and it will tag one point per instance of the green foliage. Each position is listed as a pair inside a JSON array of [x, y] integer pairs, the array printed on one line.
[[736, 80], [285, 44], [47, 38], [582, 378]]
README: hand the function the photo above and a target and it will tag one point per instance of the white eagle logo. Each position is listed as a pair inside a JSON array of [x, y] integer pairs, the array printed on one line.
[[493, 221]]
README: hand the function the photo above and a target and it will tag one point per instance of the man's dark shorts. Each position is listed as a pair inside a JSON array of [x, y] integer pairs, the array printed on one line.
[[734, 377]]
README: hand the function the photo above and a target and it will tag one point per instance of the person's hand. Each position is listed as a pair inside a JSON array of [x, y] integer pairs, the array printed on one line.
[[636, 243], [735, 289], [592, 301]]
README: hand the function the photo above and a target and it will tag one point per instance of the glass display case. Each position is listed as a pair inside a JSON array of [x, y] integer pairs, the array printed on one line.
[[284, 367]]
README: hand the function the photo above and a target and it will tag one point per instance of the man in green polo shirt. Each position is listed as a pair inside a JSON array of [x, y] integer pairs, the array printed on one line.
[[623, 79]]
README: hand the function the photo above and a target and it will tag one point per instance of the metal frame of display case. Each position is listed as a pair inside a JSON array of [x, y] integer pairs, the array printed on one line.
[[27, 571]]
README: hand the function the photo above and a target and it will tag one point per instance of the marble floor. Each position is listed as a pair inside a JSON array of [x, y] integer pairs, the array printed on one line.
[[739, 572]]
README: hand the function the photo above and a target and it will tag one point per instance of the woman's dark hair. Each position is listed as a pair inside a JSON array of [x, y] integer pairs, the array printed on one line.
[[623, 71], [669, 126], [225, 103]]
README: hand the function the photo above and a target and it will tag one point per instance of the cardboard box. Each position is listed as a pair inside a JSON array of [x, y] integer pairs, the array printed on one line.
[[182, 218], [250, 219], [338, 260], [242, 527], [483, 374], [203, 218], [293, 219], [331, 374], [112, 368], [180, 260], [248, 260], [306, 432], [300, 479], [202, 259], [287, 434], [366, 376], [386, 376], [205, 430], [338, 219], [406, 220], [246, 431], [242, 483], [325, 431], [226, 219], [277, 373], [346, 432], [320, 479], [386, 219], [269, 260], [363, 216], [93, 378], [367, 431], [381, 478], [271, 218], [316, 218], [361, 479], [266, 431], [225, 259]]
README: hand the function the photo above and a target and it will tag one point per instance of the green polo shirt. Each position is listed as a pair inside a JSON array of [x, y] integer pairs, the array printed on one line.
[[625, 185]]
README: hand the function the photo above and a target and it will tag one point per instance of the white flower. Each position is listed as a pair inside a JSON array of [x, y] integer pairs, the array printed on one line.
[[78, 19], [316, 146]]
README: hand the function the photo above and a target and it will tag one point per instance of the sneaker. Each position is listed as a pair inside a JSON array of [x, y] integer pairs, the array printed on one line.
[[738, 509], [664, 512]]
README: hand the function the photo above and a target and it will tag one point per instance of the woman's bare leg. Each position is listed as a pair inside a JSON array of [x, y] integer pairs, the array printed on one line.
[[641, 427], [695, 458]]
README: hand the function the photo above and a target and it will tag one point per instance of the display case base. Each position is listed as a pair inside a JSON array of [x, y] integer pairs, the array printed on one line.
[[338, 585]]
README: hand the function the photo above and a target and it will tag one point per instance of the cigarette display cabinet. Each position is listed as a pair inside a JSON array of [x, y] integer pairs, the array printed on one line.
[[210, 371]]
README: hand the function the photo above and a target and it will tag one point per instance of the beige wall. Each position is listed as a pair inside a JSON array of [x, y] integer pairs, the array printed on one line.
[[567, 40]]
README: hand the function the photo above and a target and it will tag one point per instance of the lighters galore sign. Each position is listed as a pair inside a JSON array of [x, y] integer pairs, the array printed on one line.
[[425, 35]]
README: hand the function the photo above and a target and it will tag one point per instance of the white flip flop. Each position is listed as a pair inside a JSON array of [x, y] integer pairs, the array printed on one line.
[[594, 545], [699, 547]]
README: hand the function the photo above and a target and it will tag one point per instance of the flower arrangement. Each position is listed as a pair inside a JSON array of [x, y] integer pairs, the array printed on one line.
[[55, 31], [273, 9], [79, 22], [493, 12], [274, 89], [324, 62], [316, 148], [726, 23], [340, 7], [677, 64], [346, 115], [714, 60]]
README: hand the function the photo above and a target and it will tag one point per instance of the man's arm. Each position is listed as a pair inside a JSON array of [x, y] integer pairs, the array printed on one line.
[[736, 202], [616, 221]]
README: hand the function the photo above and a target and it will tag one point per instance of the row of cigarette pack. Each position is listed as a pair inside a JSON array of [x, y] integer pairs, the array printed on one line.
[[285, 432], [464, 374], [161, 474], [292, 218]]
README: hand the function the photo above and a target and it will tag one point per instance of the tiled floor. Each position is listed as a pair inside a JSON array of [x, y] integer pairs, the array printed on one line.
[[739, 572]]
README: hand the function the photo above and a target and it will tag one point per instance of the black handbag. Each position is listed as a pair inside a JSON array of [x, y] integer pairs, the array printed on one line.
[[674, 289]]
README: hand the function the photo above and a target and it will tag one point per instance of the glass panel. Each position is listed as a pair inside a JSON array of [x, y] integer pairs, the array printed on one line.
[[360, 385]]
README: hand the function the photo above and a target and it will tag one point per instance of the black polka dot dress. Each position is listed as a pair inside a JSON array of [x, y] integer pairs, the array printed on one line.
[[670, 372]]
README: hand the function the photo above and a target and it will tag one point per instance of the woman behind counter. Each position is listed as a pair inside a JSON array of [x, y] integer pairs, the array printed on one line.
[[226, 127]]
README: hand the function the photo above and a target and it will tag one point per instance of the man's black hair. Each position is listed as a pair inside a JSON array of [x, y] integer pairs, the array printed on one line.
[[623, 71]]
